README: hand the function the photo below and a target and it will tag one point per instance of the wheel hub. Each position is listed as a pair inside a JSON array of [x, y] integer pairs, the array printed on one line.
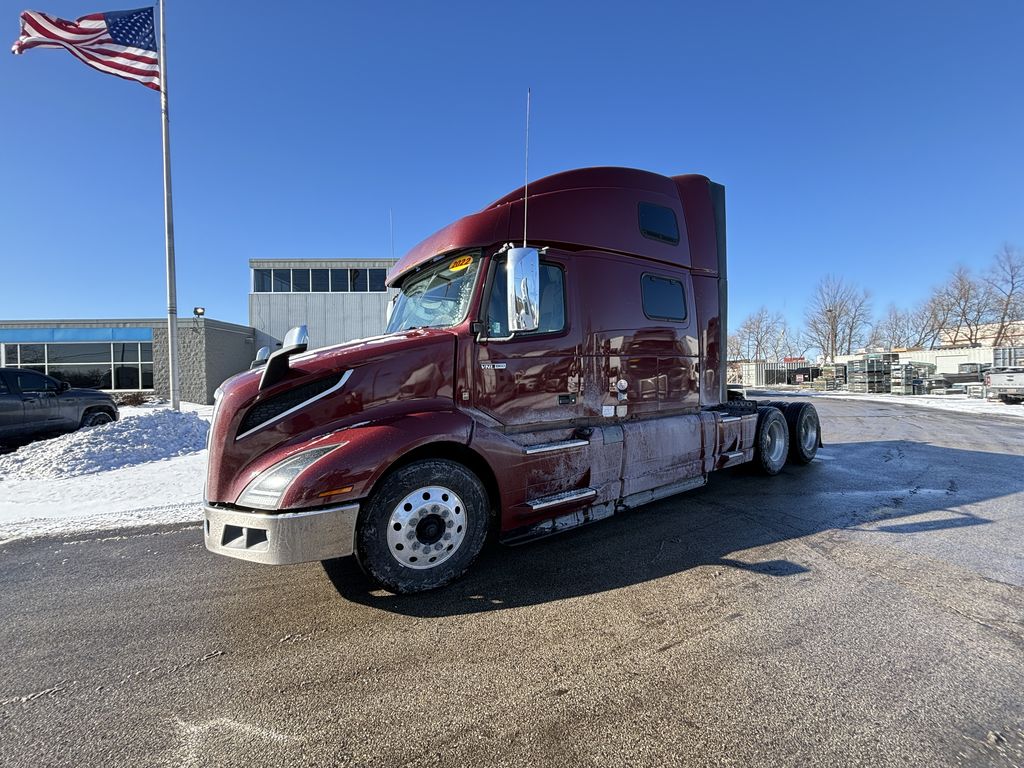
[[426, 527], [776, 442], [809, 434], [430, 529]]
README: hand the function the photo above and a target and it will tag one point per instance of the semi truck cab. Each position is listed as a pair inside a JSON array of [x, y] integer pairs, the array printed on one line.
[[520, 390]]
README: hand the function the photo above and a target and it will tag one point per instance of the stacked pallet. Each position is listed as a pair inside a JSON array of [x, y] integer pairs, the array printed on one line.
[[870, 374], [835, 372], [1008, 357], [909, 378]]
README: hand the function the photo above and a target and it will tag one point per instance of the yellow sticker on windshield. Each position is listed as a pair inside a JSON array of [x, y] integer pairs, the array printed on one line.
[[460, 263]]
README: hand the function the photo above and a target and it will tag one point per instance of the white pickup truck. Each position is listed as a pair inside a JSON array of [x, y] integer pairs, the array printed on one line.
[[1006, 384]]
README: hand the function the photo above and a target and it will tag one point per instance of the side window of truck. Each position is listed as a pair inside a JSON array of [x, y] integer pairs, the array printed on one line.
[[35, 382], [552, 302], [663, 298]]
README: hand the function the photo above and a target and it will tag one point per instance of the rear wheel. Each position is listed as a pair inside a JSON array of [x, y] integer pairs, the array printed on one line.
[[423, 527], [804, 432], [771, 441]]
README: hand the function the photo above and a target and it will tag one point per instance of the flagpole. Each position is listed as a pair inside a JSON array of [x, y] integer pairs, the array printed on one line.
[[172, 298]]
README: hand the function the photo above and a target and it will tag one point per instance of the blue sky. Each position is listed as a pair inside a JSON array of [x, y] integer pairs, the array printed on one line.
[[879, 141]]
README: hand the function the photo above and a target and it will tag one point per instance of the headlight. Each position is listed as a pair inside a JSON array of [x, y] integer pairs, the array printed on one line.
[[266, 489]]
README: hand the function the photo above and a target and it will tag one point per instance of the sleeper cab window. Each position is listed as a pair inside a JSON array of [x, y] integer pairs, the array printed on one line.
[[659, 223], [552, 302], [663, 297]]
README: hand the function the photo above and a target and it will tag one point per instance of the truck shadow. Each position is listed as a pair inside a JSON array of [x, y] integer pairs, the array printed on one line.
[[911, 489]]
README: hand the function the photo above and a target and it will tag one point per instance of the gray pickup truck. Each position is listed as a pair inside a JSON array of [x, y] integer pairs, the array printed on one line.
[[32, 404], [1007, 385]]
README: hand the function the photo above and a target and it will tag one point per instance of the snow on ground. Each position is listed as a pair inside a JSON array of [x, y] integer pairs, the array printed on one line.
[[136, 439], [147, 468], [958, 403]]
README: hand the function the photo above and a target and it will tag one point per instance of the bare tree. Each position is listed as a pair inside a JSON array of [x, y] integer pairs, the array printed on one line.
[[734, 347], [970, 304], [924, 324], [758, 334], [893, 329], [838, 319], [1005, 281]]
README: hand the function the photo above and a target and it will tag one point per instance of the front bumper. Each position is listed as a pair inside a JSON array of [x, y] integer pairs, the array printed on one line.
[[281, 538]]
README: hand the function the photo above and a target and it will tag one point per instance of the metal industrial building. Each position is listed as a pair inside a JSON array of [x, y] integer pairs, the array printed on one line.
[[337, 299], [126, 355]]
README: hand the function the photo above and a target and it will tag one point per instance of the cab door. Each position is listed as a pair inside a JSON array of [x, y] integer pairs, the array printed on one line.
[[532, 385], [39, 400], [11, 410]]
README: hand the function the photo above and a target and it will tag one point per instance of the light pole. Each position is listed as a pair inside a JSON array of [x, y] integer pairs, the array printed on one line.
[[830, 313]]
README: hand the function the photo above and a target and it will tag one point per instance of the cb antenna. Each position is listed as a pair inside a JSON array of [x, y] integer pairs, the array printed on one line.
[[391, 232], [526, 169]]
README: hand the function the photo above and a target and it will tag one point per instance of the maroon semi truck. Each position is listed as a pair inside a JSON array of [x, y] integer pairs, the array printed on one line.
[[518, 391]]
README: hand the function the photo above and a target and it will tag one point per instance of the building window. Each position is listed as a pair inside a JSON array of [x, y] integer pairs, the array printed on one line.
[[88, 365], [663, 298], [29, 354], [282, 280], [659, 223], [321, 281], [79, 353], [82, 376], [377, 279], [358, 280], [261, 282], [128, 353], [300, 280], [339, 280]]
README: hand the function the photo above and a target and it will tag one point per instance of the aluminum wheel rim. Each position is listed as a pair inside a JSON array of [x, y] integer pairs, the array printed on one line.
[[776, 442], [809, 434], [427, 527]]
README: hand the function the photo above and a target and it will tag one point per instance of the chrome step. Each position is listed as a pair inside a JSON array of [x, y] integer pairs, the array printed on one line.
[[565, 497], [561, 445]]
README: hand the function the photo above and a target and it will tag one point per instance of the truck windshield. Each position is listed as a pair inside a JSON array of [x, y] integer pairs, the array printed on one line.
[[437, 298]]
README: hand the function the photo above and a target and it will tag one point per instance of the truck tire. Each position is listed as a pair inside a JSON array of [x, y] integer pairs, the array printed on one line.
[[804, 432], [771, 441], [95, 418], [423, 527]]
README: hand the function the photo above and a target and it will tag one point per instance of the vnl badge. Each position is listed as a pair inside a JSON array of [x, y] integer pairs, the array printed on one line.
[[493, 366]]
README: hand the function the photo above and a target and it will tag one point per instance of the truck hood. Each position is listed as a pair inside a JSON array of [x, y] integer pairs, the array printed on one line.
[[324, 392]]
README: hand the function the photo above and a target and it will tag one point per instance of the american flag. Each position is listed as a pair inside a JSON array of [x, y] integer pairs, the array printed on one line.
[[121, 43]]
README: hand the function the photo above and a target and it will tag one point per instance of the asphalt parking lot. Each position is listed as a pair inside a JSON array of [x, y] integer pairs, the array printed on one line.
[[865, 610]]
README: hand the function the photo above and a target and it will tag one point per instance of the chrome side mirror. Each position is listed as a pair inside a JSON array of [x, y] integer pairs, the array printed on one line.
[[261, 357], [523, 276], [296, 337], [296, 341]]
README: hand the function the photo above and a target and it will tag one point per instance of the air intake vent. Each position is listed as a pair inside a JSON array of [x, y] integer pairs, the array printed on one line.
[[278, 406]]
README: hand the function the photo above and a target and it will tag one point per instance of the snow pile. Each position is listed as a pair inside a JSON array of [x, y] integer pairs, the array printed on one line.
[[160, 434]]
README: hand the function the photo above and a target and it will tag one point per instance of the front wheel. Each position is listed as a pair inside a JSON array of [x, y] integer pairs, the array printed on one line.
[[423, 527], [96, 418]]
